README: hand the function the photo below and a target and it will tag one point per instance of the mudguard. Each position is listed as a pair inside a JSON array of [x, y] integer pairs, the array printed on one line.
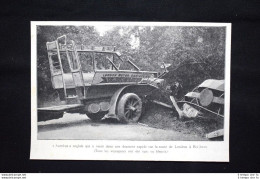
[[113, 103]]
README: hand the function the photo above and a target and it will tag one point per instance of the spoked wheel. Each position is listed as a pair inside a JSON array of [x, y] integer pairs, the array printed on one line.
[[129, 108]]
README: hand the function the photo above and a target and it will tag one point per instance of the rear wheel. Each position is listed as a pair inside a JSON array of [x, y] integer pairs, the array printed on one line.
[[129, 108]]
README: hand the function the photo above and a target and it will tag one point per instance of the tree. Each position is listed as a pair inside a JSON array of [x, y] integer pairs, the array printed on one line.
[[195, 53]]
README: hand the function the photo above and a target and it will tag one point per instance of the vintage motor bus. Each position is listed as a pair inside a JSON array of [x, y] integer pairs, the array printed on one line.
[[97, 82]]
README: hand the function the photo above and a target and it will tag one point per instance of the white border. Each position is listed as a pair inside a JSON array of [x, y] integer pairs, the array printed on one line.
[[217, 151], [130, 175]]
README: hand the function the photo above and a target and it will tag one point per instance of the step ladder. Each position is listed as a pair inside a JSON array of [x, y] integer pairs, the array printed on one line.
[[55, 48]]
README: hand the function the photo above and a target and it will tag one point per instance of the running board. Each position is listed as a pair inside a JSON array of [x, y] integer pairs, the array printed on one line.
[[61, 108]]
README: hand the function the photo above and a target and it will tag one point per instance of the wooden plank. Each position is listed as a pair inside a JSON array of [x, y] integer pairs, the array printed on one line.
[[216, 133], [162, 104]]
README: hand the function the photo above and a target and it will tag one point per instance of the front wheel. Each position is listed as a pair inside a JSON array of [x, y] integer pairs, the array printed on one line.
[[129, 108]]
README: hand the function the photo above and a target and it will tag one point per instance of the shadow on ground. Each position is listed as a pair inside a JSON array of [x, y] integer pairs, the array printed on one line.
[[73, 120]]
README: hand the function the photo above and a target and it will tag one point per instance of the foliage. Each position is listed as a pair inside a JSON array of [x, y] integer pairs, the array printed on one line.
[[195, 53]]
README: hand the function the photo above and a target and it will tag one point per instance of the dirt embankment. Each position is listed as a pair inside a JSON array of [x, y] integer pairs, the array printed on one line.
[[163, 118]]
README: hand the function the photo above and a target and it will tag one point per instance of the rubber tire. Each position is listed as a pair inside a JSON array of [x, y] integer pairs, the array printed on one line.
[[96, 116], [121, 108]]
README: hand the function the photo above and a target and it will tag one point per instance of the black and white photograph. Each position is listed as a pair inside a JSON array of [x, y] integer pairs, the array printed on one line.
[[136, 89], [131, 82]]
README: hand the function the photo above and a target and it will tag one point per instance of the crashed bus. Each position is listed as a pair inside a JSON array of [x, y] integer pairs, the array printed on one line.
[[98, 82]]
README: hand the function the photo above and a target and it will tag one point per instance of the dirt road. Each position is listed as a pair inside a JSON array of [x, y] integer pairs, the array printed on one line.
[[76, 126]]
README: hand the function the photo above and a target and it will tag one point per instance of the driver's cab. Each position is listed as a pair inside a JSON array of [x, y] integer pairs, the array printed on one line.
[[94, 59]]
